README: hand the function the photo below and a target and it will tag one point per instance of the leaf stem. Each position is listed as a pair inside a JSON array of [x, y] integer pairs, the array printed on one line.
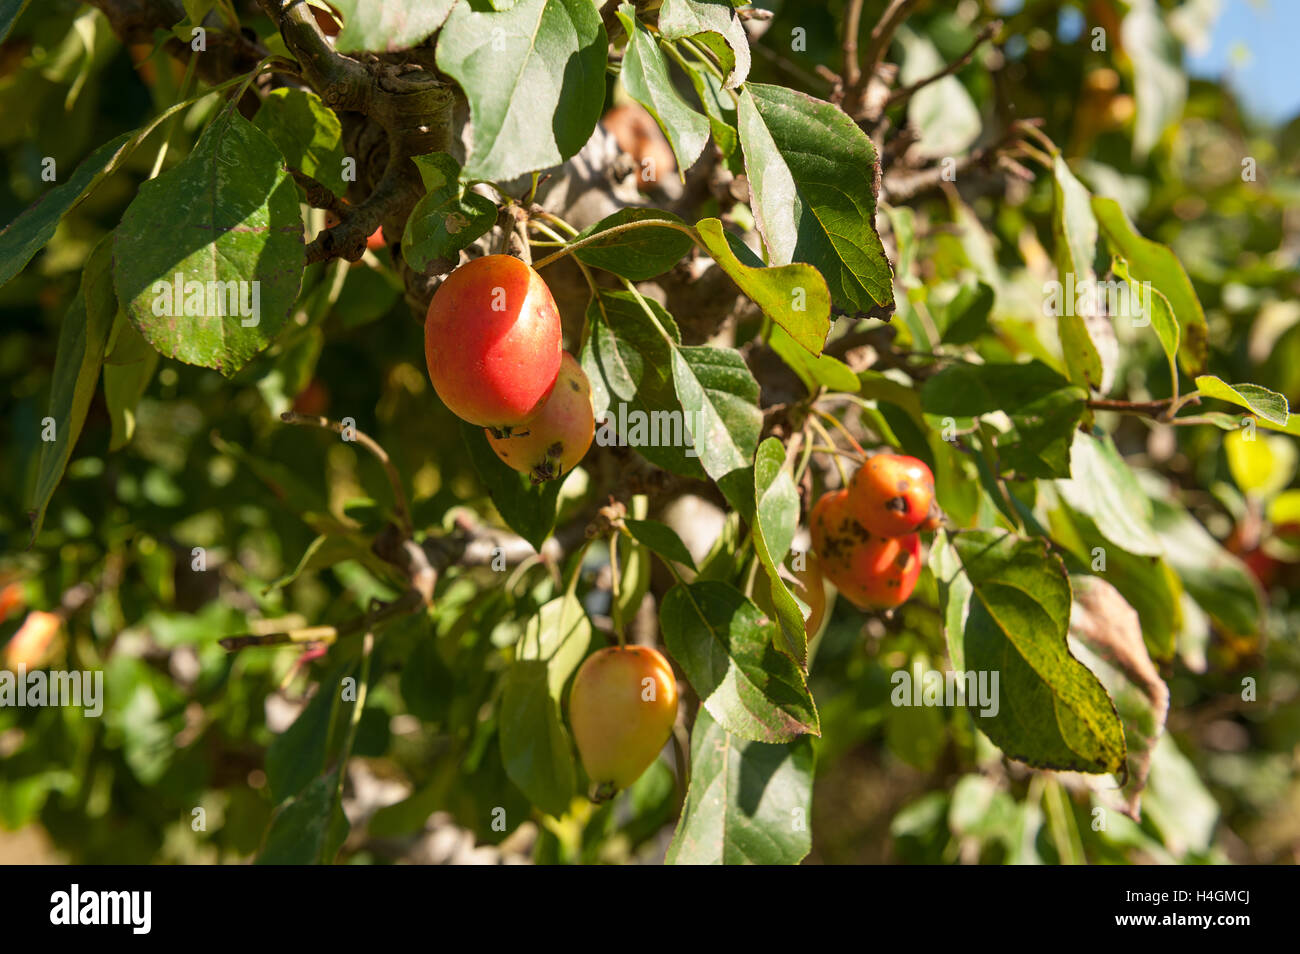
[[825, 435], [187, 90], [843, 430]]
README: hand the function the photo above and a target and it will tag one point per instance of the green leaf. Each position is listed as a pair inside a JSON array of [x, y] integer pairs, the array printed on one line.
[[916, 735], [720, 399], [307, 132], [628, 362], [83, 337], [534, 76], [1106, 635], [1155, 263], [1220, 583], [297, 755], [645, 77], [1087, 338], [234, 236], [1158, 312], [634, 566], [1267, 404], [1051, 711], [814, 370], [1148, 583], [448, 217], [966, 316], [558, 636], [128, 368], [748, 802], [776, 518], [660, 538], [637, 254], [26, 235], [528, 509], [1261, 465], [724, 646], [810, 172], [719, 105], [691, 18], [954, 596], [289, 368], [388, 27], [534, 744], [1044, 409], [308, 830], [324, 552], [1102, 486], [794, 296]]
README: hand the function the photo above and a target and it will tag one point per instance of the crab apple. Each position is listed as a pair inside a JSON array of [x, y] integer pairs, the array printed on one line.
[[882, 572], [12, 597], [835, 532], [31, 646], [891, 494], [492, 340], [872, 572], [551, 444], [622, 707]]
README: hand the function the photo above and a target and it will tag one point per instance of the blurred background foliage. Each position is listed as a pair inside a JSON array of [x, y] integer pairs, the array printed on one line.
[[208, 465]]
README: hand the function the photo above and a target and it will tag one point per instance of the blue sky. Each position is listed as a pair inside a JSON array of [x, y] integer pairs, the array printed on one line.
[[1256, 44]]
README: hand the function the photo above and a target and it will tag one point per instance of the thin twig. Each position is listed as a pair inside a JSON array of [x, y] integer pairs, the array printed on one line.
[[408, 602], [852, 20], [1148, 408], [899, 95], [881, 34]]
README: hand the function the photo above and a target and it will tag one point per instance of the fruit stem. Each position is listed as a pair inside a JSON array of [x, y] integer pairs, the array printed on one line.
[[825, 435], [187, 90], [805, 457], [649, 313], [844, 430], [582, 266]]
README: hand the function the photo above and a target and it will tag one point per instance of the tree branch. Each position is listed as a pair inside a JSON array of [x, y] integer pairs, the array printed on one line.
[[904, 93], [852, 22], [878, 45]]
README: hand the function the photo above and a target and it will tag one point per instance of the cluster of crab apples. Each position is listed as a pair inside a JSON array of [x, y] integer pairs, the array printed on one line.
[[867, 535], [496, 357]]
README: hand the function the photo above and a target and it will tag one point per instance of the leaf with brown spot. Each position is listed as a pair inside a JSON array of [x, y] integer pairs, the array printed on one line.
[[1106, 636]]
